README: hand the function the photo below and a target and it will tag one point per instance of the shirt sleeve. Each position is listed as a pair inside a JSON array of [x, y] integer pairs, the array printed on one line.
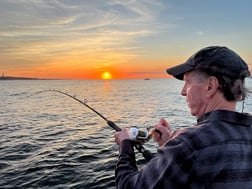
[[126, 165], [170, 168]]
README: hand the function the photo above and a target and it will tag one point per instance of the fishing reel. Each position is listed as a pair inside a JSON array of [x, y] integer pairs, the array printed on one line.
[[141, 136]]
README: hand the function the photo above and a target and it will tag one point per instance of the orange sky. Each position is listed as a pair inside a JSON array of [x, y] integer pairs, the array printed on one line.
[[66, 70]]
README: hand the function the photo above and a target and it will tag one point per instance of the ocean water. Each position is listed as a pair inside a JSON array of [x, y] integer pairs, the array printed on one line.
[[48, 140]]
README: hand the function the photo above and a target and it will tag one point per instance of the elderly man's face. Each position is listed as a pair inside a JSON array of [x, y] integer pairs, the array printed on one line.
[[194, 90]]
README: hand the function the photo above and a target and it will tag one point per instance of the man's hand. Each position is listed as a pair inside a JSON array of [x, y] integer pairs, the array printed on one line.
[[122, 135], [164, 132]]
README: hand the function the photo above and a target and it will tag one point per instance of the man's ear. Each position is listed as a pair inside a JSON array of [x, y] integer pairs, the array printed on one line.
[[213, 86]]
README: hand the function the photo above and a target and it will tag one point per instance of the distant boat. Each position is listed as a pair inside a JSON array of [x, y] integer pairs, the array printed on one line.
[[146, 78]]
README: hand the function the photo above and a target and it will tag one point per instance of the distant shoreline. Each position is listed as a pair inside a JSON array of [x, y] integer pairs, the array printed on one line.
[[34, 78], [17, 78]]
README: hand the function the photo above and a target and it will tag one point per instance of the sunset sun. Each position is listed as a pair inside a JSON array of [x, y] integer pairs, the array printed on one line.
[[106, 75]]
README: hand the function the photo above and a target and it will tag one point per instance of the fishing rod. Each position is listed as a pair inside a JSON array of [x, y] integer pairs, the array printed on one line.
[[146, 153]]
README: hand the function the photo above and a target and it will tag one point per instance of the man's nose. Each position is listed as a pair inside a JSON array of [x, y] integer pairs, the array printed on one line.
[[183, 91]]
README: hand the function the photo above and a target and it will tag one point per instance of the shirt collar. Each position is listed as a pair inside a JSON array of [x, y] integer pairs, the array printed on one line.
[[228, 116]]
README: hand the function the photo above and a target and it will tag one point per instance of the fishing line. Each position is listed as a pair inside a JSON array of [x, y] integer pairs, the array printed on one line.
[[146, 154]]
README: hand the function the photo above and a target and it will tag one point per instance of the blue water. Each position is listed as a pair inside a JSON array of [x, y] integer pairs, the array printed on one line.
[[48, 140]]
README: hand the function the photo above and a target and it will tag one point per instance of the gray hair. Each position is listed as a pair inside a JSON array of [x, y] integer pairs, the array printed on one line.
[[233, 89]]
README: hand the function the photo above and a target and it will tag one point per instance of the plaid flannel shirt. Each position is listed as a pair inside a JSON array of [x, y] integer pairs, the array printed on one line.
[[216, 154]]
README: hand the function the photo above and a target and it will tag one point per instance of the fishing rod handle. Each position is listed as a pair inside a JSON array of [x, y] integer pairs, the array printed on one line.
[[113, 125], [146, 153]]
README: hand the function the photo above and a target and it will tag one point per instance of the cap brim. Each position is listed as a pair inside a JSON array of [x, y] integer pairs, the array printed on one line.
[[179, 71]]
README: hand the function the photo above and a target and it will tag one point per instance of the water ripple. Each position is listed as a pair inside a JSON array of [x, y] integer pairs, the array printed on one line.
[[50, 141]]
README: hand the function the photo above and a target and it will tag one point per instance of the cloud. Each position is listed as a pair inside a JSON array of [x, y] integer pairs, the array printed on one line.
[[97, 33], [200, 33]]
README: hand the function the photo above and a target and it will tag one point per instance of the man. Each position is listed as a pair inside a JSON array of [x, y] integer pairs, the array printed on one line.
[[217, 152]]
